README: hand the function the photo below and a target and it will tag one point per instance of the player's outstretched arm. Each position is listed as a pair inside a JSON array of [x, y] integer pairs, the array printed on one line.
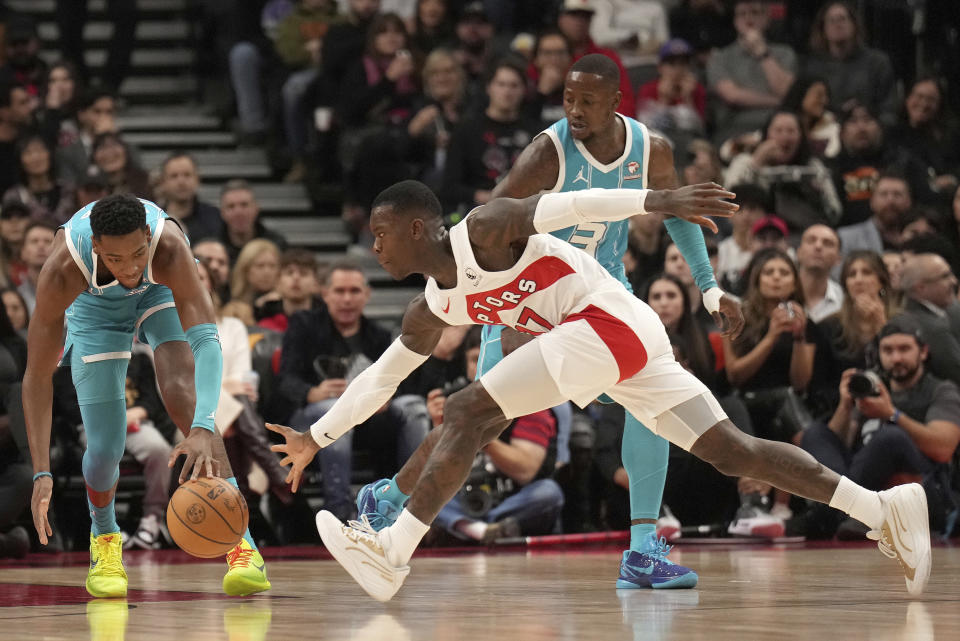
[[367, 393], [723, 307], [503, 221], [60, 283], [175, 267]]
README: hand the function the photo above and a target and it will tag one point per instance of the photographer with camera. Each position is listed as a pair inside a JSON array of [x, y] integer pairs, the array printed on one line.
[[904, 421], [509, 492], [323, 349]]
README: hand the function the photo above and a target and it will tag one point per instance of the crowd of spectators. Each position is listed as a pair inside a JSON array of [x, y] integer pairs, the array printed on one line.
[[845, 250]]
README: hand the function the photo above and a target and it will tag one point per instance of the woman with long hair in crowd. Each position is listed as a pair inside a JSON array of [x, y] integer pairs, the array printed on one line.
[[801, 185], [49, 200], [254, 276], [809, 97], [112, 156], [15, 307], [431, 26], [927, 131]]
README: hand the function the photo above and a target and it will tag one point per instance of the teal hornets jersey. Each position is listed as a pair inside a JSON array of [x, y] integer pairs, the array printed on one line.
[[606, 242], [104, 317]]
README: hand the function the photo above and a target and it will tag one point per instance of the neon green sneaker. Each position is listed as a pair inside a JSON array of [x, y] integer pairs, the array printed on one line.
[[106, 577], [247, 621], [248, 571], [107, 619]]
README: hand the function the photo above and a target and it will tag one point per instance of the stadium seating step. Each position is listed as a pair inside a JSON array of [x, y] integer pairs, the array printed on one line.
[[142, 61], [165, 118], [222, 164], [192, 140], [154, 32], [96, 7], [273, 198]]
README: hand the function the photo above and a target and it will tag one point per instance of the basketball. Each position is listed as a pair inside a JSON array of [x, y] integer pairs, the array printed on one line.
[[207, 517]]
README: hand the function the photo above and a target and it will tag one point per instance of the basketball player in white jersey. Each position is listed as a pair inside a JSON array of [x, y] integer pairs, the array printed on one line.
[[499, 266]]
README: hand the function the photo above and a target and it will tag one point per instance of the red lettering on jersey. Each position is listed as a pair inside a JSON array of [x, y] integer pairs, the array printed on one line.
[[537, 276]]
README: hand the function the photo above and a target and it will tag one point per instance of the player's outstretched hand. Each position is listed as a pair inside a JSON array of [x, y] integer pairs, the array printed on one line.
[[39, 504], [298, 450], [694, 203], [730, 317], [198, 447]]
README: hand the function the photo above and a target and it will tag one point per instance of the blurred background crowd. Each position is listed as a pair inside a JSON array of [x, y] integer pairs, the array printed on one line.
[[267, 127]]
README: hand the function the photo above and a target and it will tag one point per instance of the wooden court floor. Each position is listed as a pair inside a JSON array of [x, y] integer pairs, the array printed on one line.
[[745, 593]]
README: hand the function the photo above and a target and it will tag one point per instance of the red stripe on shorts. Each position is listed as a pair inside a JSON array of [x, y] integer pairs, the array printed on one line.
[[622, 341]]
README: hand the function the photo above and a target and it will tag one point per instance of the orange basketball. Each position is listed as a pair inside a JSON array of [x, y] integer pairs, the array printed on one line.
[[207, 517]]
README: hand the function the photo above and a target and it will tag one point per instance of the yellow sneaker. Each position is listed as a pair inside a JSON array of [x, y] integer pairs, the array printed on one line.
[[248, 621], [107, 619], [248, 571], [106, 577]]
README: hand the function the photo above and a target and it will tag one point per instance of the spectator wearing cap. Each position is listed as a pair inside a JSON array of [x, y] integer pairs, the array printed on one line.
[[484, 147], [907, 424], [24, 65], [241, 219], [890, 211], [751, 76], [863, 157], [800, 185], [640, 25], [735, 251], [546, 73], [14, 220], [930, 290], [853, 70], [179, 184], [474, 34], [574, 22], [674, 103], [770, 232]]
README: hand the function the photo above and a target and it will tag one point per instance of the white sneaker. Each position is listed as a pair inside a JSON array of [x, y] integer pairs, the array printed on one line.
[[147, 536], [905, 533], [357, 547], [756, 522], [668, 525]]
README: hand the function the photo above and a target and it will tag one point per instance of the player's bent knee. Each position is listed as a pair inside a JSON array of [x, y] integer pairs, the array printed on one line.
[[472, 408], [726, 448]]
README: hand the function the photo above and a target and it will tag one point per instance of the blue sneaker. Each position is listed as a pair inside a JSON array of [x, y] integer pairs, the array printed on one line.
[[380, 512], [653, 570]]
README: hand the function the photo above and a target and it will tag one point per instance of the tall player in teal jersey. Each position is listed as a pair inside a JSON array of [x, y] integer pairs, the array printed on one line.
[[122, 268], [596, 147]]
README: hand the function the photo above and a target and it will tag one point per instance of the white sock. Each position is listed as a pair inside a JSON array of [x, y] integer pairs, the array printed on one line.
[[402, 538], [473, 529], [858, 502]]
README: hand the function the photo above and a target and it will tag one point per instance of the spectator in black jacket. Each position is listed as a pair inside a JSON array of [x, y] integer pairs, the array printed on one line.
[[179, 183], [346, 40], [323, 349], [484, 147]]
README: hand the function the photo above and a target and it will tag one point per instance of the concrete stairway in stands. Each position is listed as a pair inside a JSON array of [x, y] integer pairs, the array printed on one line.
[[163, 114]]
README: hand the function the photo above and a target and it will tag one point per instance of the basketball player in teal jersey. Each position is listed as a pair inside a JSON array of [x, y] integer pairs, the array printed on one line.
[[596, 147], [122, 268]]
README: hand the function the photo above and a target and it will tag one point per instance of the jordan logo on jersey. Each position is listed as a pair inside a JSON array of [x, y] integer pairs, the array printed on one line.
[[580, 176], [633, 171]]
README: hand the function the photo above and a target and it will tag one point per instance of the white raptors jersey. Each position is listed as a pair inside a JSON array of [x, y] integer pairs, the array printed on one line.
[[552, 283]]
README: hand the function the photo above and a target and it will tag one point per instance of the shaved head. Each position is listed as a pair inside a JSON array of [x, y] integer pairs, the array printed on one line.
[[599, 65]]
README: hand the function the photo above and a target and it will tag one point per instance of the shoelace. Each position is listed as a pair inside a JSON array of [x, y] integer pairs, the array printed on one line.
[[239, 556], [363, 524], [109, 560], [884, 544], [662, 550]]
